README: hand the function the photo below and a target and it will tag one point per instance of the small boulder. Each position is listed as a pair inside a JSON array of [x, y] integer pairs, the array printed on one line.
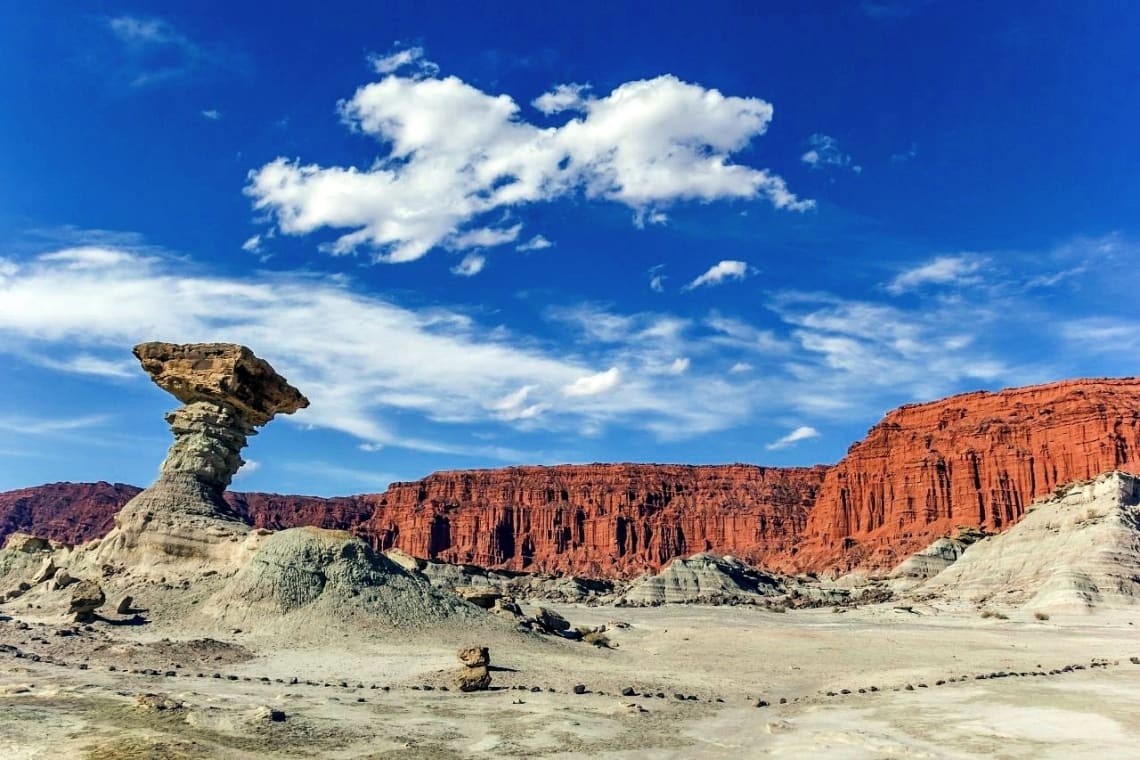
[[61, 580], [550, 621], [86, 597], [46, 571], [476, 678], [125, 606], [507, 606], [157, 702], [265, 714]]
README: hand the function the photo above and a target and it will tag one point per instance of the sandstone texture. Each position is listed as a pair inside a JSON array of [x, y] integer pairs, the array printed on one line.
[[227, 393], [615, 520], [975, 460]]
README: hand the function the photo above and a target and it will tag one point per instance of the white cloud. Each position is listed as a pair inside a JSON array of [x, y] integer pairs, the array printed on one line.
[[802, 433], [740, 367], [212, 114], [400, 59], [564, 97], [592, 385], [47, 427], [656, 279], [824, 151], [456, 155], [536, 243], [251, 466], [679, 366], [719, 273], [471, 265], [485, 237], [252, 244], [368, 365], [963, 269], [514, 406]]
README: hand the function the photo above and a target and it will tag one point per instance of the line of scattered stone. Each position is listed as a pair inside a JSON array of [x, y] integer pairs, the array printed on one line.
[[628, 691]]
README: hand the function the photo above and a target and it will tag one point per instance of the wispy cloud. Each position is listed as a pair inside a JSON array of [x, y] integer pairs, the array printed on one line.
[[153, 52], [470, 265], [959, 270], [461, 156], [719, 273], [909, 154], [33, 426], [824, 152], [592, 385], [212, 114], [802, 433], [536, 243]]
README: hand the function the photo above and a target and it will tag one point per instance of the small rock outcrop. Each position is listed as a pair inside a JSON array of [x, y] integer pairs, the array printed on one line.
[[227, 393], [475, 674], [702, 578], [86, 597]]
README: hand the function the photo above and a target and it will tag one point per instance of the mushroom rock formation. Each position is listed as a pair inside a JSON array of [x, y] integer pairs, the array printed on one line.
[[227, 393]]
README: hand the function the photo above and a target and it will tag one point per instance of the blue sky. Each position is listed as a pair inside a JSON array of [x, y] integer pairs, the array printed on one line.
[[482, 236]]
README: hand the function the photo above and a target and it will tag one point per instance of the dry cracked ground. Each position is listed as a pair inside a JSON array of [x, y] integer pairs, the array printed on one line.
[[699, 682]]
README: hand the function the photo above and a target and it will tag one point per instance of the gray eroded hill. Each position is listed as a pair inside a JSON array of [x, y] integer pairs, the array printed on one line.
[[1073, 552], [702, 578]]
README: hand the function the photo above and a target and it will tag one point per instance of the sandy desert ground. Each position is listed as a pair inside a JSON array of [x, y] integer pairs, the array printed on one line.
[[874, 682]]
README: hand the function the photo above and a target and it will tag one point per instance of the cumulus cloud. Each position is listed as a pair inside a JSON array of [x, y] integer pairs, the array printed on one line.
[[679, 366], [457, 155], [963, 269], [825, 152], [802, 433], [719, 273], [740, 367]]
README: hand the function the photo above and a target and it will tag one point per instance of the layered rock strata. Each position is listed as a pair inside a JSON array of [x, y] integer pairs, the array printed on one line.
[[974, 460], [227, 392]]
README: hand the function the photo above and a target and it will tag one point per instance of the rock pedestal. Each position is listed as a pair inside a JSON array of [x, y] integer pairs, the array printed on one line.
[[227, 393]]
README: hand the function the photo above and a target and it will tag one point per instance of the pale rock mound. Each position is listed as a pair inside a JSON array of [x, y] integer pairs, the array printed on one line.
[[929, 562], [310, 577], [701, 578], [1074, 552]]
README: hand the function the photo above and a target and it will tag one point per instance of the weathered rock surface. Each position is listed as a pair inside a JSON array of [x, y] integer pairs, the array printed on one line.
[[86, 597], [474, 656], [1072, 552], [306, 577], [228, 392], [933, 559], [594, 520], [971, 460], [977, 459], [702, 578], [477, 678], [220, 373]]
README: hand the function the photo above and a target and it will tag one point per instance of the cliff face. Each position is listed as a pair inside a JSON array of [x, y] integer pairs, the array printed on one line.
[[617, 519], [977, 459]]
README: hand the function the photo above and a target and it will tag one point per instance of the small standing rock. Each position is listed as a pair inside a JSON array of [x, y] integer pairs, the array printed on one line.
[[474, 675], [86, 597], [125, 607]]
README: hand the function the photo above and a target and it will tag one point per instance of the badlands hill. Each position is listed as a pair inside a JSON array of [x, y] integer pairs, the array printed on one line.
[[975, 460]]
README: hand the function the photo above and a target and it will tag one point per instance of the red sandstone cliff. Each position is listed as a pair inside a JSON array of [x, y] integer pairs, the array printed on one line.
[[597, 520], [976, 459]]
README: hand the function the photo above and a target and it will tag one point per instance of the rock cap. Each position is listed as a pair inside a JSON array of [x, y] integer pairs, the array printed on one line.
[[223, 373]]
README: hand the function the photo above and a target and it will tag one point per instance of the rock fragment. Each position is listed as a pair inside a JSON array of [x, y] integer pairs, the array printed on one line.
[[86, 597], [475, 674]]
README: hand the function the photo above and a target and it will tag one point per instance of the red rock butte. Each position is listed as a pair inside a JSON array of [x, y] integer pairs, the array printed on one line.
[[976, 459]]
